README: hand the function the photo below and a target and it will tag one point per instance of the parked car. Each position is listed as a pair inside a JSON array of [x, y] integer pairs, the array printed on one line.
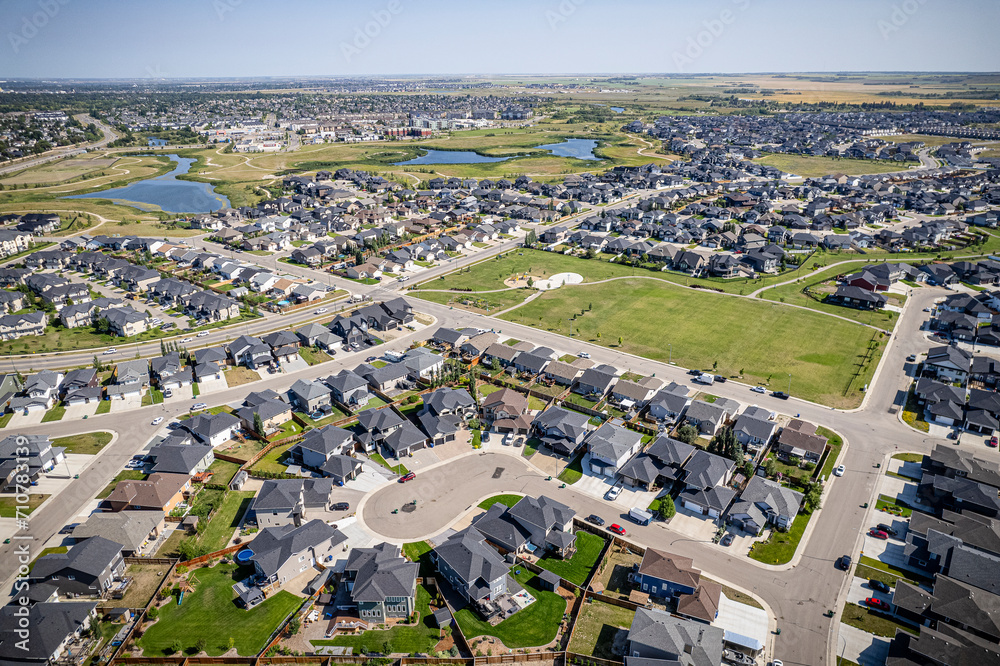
[[202, 334], [157, 421], [759, 389], [872, 602], [727, 540], [613, 493], [877, 534], [780, 394], [694, 372], [878, 586], [839, 471], [911, 358], [169, 325], [407, 477], [594, 519], [197, 406], [168, 393], [340, 506], [738, 658], [617, 529], [720, 379], [111, 350], [844, 562], [583, 355], [993, 442], [886, 528]]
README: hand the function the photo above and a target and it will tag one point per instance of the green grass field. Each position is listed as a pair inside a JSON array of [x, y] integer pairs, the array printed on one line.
[[577, 568], [535, 625], [9, 505], [506, 500], [874, 622], [210, 607], [421, 637], [762, 342], [88, 443], [780, 546], [225, 520], [809, 166]]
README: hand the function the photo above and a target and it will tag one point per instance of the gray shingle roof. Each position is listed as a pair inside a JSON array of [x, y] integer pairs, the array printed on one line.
[[381, 572], [654, 633]]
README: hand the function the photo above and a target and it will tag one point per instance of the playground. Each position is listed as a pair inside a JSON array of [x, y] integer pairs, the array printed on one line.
[[522, 280]]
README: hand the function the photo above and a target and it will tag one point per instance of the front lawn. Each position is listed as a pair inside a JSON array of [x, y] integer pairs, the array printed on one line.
[[506, 500], [834, 443], [9, 505], [889, 505], [103, 407], [54, 414], [420, 637], [210, 614], [909, 457], [573, 472], [397, 469], [873, 622], [577, 568], [88, 443], [596, 627], [889, 573], [535, 625], [780, 546], [313, 356], [239, 375]]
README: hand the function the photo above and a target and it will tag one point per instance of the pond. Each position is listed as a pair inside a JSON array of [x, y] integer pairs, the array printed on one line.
[[167, 192], [581, 149]]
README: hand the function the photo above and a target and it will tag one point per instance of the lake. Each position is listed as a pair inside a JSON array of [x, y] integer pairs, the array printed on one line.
[[581, 149], [167, 192], [618, 109]]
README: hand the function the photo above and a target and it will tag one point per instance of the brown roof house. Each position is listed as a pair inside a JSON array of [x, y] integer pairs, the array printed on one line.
[[507, 410], [799, 439], [159, 491]]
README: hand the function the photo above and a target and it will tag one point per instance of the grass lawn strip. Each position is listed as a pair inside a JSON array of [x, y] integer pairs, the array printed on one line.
[[397, 469], [89, 443], [225, 520], [210, 607], [573, 471], [889, 504], [535, 625], [577, 568], [835, 442], [506, 500], [596, 627], [873, 622]]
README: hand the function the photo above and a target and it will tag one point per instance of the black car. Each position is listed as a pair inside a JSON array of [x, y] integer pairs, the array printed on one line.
[[727, 540], [340, 506], [694, 372], [780, 394], [878, 585], [887, 529], [844, 562], [720, 379], [595, 520]]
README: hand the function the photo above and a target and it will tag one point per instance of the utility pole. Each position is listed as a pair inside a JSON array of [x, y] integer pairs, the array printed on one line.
[[789, 383]]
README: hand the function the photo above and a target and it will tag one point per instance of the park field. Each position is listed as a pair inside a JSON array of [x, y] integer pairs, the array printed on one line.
[[809, 166], [828, 358], [59, 171]]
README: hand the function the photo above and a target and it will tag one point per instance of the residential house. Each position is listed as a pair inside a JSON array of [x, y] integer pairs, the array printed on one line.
[[159, 492], [706, 478], [382, 584], [87, 569], [560, 429], [764, 502], [475, 571], [610, 446]]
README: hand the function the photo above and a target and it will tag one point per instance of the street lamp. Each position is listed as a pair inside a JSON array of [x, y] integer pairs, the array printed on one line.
[[670, 354], [789, 383]]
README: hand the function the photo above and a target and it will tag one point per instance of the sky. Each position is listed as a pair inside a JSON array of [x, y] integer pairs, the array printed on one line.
[[246, 38]]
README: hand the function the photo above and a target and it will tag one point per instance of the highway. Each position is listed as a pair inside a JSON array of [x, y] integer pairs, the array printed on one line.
[[65, 151]]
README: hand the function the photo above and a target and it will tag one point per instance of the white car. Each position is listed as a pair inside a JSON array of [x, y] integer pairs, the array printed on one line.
[[202, 334], [111, 351], [759, 389], [186, 340], [158, 420], [839, 471], [583, 355], [319, 311], [197, 406], [613, 494]]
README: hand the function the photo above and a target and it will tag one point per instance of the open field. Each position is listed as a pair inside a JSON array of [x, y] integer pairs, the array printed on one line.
[[809, 166], [211, 606], [820, 353], [59, 171], [9, 505], [88, 443]]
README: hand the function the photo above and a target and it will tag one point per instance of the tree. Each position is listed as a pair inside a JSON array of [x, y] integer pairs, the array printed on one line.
[[294, 625], [620, 340], [200, 645], [770, 467], [667, 508], [812, 498], [687, 433], [258, 424]]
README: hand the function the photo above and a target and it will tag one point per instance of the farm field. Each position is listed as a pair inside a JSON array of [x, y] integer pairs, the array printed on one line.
[[809, 166]]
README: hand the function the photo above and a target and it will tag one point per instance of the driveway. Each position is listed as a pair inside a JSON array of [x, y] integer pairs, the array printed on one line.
[[596, 486], [890, 551], [860, 591], [180, 393], [910, 470], [33, 417], [79, 411], [129, 402], [212, 385], [900, 489], [693, 525], [61, 475], [297, 363], [861, 647]]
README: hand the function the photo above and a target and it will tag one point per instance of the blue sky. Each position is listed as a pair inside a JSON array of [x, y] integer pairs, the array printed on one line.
[[242, 38]]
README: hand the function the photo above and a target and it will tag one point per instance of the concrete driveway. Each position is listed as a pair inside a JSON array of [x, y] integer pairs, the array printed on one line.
[[33, 417], [180, 393], [890, 551], [79, 411], [860, 591], [861, 647], [905, 491], [693, 526], [296, 364], [51, 483], [212, 385], [128, 403], [910, 470], [596, 486]]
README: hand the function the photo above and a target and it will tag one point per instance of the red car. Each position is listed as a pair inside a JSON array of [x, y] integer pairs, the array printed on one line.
[[617, 529], [878, 534], [407, 477], [877, 603], [993, 442]]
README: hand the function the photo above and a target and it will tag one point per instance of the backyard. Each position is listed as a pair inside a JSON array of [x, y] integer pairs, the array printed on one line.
[[533, 626], [596, 627], [577, 568], [419, 637], [271, 462], [182, 627], [225, 520], [145, 579]]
